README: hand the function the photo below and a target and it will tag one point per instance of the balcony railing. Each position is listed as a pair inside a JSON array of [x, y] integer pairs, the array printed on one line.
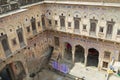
[[23, 2], [108, 36], [9, 6], [34, 32], [92, 33], [63, 29], [8, 53], [22, 44], [77, 31], [5, 8], [3, 2]]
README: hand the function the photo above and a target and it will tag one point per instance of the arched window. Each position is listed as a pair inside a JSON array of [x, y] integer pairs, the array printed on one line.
[[76, 22], [62, 21]]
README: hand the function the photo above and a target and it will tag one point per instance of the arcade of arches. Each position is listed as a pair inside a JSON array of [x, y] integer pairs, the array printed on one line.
[[77, 55]]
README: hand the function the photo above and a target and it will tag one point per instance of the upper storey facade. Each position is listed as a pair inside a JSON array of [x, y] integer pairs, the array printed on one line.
[[99, 22], [10, 5], [92, 21]]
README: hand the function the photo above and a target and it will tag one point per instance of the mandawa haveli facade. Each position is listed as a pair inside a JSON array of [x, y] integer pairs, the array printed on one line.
[[86, 31]]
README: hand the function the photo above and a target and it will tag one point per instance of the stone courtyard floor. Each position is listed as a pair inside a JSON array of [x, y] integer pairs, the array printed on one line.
[[78, 70], [46, 74], [90, 73]]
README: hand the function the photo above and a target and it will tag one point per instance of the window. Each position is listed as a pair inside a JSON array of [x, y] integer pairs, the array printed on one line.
[[105, 64], [50, 22], [56, 40], [28, 29], [43, 21], [69, 24], [76, 23], [118, 32], [56, 23], [109, 28], [20, 35], [38, 24], [33, 23], [92, 27], [107, 55], [101, 29], [5, 44], [84, 27], [14, 41], [62, 21]]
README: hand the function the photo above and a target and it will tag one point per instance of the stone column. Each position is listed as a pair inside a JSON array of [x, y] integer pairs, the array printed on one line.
[[100, 63], [85, 54], [101, 53], [62, 50], [85, 62], [73, 54]]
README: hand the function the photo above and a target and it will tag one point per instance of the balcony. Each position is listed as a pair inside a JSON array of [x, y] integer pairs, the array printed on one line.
[[76, 31], [63, 29], [92, 33], [100, 34], [23, 2], [108, 36], [3, 2], [14, 6], [5, 8], [34, 32]]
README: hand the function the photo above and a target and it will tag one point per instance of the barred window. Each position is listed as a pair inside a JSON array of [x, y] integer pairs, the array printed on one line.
[[62, 21], [105, 64], [76, 24], [109, 28], [92, 26]]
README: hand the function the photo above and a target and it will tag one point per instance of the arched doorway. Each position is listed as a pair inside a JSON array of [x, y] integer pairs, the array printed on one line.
[[79, 54], [68, 51], [93, 57], [13, 71]]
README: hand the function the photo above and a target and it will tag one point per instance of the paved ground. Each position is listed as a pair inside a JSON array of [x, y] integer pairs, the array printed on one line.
[[90, 73], [50, 75]]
